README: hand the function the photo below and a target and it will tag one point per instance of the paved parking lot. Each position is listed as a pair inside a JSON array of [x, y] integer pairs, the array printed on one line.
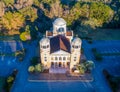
[[10, 46], [7, 64]]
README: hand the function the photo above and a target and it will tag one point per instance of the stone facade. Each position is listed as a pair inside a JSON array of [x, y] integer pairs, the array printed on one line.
[[59, 49]]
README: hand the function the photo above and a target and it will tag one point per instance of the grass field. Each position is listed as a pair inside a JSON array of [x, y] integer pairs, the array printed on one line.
[[105, 34], [2, 83], [9, 38]]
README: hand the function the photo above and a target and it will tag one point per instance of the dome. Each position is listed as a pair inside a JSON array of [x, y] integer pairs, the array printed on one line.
[[59, 22], [77, 41], [44, 41]]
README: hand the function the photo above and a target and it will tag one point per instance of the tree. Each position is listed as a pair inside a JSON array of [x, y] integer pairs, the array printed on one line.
[[31, 69], [8, 2], [26, 34], [29, 13], [89, 65], [22, 3], [2, 8], [73, 14], [12, 21], [34, 61], [53, 8], [10, 79], [91, 23], [101, 12], [81, 68]]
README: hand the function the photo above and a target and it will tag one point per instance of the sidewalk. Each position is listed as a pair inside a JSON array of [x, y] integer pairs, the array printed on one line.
[[42, 77]]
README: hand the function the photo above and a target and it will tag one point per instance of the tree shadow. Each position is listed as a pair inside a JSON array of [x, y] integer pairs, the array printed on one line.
[[39, 26]]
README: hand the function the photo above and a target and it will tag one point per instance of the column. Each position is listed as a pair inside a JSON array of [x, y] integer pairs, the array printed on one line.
[[61, 64], [54, 65], [65, 64]]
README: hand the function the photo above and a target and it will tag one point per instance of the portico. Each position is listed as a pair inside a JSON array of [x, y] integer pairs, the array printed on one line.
[[60, 64]]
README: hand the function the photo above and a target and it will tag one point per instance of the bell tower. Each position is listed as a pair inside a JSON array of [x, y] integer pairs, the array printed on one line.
[[75, 52], [45, 52], [59, 27]]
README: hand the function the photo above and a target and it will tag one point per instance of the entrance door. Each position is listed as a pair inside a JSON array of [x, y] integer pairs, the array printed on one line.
[[52, 64], [56, 65], [68, 64], [59, 64]]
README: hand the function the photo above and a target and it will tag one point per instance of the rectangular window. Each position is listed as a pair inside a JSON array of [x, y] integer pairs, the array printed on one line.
[[44, 47], [74, 58], [56, 58], [76, 47], [45, 58], [64, 58], [47, 46], [73, 46]]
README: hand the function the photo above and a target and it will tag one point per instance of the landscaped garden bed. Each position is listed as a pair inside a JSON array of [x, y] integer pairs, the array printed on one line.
[[114, 81], [7, 82], [97, 55], [20, 54]]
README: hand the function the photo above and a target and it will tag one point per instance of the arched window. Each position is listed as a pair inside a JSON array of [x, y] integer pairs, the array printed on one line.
[[64, 58], [76, 47], [61, 30], [60, 58], [56, 58], [45, 58], [47, 46], [73, 46], [44, 47]]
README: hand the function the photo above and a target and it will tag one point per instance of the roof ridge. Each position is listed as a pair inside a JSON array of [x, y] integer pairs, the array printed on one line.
[[62, 45]]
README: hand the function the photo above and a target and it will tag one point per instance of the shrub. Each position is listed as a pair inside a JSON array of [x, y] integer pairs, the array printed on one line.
[[34, 61], [81, 68], [10, 79], [25, 36], [31, 69], [20, 54], [89, 65], [90, 41], [94, 50], [82, 50], [39, 68], [96, 54]]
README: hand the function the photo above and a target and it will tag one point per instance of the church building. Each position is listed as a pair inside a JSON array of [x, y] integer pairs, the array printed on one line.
[[59, 49]]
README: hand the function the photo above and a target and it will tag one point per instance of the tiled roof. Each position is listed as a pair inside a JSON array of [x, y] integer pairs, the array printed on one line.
[[49, 33], [59, 42], [69, 33]]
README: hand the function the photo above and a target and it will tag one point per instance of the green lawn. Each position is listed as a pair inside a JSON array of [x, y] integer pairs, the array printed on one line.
[[2, 83], [101, 34], [9, 38], [110, 54], [105, 34]]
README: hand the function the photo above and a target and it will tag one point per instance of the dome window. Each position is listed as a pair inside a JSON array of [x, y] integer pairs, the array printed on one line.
[[47, 46], [61, 30], [44, 47], [76, 47], [73, 46]]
